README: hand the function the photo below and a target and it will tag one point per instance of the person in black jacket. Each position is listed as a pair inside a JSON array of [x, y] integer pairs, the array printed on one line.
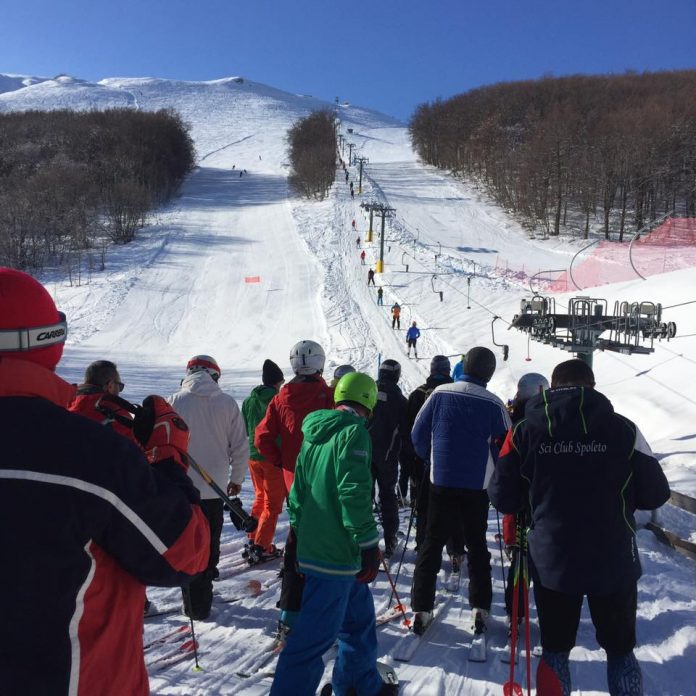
[[416, 470], [584, 469], [389, 434], [72, 594]]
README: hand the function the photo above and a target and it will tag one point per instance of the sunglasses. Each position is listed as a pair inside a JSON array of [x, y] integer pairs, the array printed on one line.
[[121, 386]]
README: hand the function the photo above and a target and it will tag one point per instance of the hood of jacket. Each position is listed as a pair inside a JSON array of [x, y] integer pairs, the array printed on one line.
[[200, 384], [263, 394], [320, 426], [300, 394], [568, 411]]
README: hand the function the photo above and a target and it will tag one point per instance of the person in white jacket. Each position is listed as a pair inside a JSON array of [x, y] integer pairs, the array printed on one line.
[[220, 445]]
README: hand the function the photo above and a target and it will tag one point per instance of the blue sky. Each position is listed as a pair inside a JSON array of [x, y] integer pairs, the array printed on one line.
[[383, 54]]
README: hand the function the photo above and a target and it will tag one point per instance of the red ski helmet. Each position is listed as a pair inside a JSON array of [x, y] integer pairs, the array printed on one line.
[[204, 363], [31, 328]]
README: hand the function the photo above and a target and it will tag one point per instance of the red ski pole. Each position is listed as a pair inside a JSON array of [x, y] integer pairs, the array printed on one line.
[[399, 605], [511, 687]]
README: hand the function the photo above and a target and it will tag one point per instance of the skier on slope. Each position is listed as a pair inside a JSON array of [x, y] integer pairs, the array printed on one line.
[[530, 385], [457, 430], [118, 518], [269, 486], [396, 315], [370, 276], [330, 509], [362, 257], [279, 437], [219, 444], [572, 449], [390, 441], [418, 470], [380, 296], [412, 335]]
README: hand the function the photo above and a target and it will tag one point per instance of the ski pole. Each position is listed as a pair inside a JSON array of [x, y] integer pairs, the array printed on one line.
[[187, 593], [500, 544], [511, 687], [527, 630], [247, 523], [399, 605], [410, 525]]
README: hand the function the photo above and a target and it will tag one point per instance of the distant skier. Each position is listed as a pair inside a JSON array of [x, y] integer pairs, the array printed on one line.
[[353, 223], [241, 174], [412, 336], [362, 257], [583, 469], [358, 242], [370, 276], [396, 315], [347, 175], [352, 193], [458, 370], [380, 296]]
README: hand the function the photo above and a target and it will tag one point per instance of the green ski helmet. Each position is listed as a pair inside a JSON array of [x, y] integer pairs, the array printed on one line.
[[357, 387]]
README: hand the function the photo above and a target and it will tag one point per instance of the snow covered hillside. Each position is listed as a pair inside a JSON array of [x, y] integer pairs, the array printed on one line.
[[239, 268]]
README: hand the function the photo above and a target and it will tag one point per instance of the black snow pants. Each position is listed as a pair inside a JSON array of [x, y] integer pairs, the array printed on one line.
[[200, 590], [385, 474], [447, 508]]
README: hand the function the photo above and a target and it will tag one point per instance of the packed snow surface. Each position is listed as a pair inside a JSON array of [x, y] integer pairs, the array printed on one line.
[[239, 268]]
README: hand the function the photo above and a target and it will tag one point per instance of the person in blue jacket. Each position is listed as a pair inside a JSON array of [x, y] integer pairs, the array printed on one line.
[[583, 469], [458, 430], [412, 335], [458, 370]]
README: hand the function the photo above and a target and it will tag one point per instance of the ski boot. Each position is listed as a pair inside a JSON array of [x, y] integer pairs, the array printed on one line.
[[478, 620], [624, 676], [421, 621], [390, 546]]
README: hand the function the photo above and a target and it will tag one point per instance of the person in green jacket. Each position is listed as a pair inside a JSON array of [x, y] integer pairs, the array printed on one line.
[[269, 487], [330, 507]]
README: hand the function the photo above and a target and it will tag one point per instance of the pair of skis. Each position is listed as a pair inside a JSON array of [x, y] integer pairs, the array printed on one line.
[[182, 642]]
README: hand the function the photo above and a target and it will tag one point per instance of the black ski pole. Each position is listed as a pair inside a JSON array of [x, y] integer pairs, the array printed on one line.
[[187, 593], [246, 522], [408, 532]]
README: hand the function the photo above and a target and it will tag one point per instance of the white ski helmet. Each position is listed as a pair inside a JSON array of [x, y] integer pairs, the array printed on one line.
[[307, 358], [204, 363], [530, 385]]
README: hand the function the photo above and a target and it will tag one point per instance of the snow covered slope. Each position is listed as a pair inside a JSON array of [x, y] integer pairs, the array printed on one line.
[[188, 285]]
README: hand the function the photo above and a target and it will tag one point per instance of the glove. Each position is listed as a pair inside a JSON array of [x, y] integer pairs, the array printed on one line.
[[370, 565], [233, 489], [162, 432]]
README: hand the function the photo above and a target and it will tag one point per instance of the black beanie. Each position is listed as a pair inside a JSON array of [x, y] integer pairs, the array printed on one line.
[[271, 374], [479, 362]]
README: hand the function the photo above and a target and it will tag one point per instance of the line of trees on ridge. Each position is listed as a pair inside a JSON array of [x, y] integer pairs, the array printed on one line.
[[71, 181], [607, 153]]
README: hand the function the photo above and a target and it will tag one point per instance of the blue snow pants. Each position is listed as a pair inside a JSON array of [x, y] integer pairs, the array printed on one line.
[[331, 609]]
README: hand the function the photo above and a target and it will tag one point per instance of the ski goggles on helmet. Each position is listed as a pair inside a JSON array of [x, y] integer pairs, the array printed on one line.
[[35, 337]]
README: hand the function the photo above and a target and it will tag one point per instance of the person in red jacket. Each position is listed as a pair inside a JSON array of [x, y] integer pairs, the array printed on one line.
[[279, 438], [72, 605], [98, 399]]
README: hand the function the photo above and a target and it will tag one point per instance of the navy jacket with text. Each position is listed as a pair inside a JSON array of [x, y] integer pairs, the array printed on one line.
[[583, 469]]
